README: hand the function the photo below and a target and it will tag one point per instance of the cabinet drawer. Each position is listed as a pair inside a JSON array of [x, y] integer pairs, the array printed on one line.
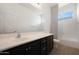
[[44, 46]]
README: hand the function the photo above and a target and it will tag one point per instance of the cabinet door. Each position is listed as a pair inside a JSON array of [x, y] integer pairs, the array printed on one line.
[[34, 48], [49, 43], [19, 50]]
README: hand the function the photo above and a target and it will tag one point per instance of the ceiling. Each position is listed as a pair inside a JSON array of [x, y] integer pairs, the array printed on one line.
[[62, 4], [30, 4], [51, 4], [37, 8]]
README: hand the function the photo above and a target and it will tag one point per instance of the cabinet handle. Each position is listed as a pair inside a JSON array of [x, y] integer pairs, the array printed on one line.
[[26, 49]]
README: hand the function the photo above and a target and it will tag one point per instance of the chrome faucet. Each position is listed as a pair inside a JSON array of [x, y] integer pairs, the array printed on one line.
[[18, 34]]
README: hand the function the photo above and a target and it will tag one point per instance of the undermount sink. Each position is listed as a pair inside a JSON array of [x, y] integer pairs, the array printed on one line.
[[21, 38]]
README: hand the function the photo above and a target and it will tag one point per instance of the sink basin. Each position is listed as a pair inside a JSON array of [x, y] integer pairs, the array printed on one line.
[[21, 39]]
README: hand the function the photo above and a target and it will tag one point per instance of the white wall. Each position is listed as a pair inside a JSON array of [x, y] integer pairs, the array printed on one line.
[[46, 14], [50, 18], [15, 17], [54, 20], [67, 26], [78, 20]]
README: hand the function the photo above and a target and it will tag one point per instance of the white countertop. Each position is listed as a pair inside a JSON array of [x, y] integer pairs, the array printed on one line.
[[9, 40]]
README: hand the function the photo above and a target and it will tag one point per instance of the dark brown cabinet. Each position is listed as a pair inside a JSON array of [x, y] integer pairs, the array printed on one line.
[[41, 46]]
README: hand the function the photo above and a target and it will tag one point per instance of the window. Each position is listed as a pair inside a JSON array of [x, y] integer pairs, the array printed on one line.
[[63, 15]]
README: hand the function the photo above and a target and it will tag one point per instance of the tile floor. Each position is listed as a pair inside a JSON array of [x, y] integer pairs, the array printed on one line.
[[64, 50]]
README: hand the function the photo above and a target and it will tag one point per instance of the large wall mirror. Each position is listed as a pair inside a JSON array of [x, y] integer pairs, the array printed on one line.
[[19, 17]]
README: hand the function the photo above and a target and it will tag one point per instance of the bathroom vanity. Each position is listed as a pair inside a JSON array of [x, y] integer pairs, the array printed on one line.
[[32, 43]]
